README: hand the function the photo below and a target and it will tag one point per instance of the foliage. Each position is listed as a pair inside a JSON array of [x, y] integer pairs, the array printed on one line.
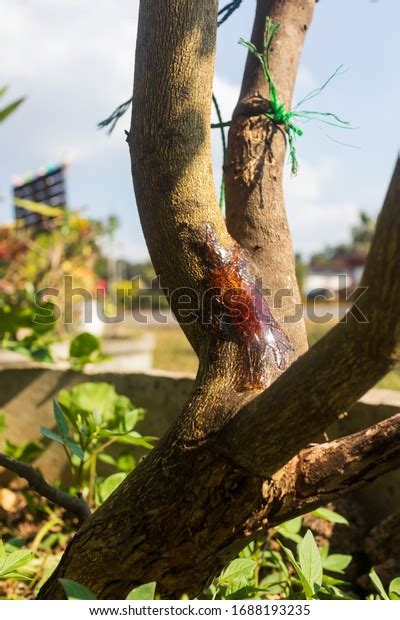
[[264, 572], [89, 419], [59, 262], [362, 234], [84, 349], [30, 329], [361, 238], [394, 587], [42, 258], [20, 331], [76, 592], [25, 452], [12, 560], [7, 110]]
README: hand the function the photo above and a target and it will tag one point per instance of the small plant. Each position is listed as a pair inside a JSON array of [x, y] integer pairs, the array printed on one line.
[[394, 587], [310, 582], [89, 419], [263, 572], [12, 560], [85, 349], [19, 332]]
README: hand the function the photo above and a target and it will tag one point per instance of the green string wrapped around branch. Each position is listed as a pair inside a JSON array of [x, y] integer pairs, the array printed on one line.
[[278, 114]]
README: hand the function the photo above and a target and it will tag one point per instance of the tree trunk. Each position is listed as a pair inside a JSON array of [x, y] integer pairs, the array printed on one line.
[[236, 461]]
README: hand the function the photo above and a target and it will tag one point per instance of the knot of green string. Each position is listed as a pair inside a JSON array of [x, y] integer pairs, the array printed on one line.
[[278, 114]]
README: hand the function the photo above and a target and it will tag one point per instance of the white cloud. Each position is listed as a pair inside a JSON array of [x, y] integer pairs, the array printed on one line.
[[74, 61], [73, 70], [315, 220], [227, 95]]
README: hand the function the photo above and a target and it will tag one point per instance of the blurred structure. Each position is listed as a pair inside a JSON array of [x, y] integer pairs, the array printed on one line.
[[40, 198]]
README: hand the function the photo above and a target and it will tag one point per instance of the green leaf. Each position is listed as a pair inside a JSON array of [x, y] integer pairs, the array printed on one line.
[[75, 448], [60, 420], [134, 439], [333, 581], [144, 592], [329, 515], [378, 584], [294, 525], [324, 552], [76, 592], [394, 589], [336, 562], [69, 443], [51, 435], [290, 529], [131, 419], [108, 486], [2, 421], [97, 398], [308, 590], [10, 562], [5, 112], [84, 345], [126, 462], [239, 591], [108, 459], [14, 543], [310, 561], [237, 569]]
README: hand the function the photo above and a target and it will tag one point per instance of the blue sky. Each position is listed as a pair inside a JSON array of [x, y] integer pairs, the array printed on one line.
[[74, 61]]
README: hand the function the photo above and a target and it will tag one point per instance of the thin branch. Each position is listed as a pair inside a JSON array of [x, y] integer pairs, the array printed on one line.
[[255, 206], [326, 471], [76, 505]]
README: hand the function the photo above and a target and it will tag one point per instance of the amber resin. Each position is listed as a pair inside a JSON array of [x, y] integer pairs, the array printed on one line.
[[234, 309]]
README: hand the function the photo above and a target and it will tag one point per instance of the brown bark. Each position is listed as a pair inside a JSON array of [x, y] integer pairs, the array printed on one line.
[[228, 468], [254, 166]]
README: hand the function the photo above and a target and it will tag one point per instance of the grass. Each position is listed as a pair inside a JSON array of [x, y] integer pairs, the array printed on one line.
[[173, 351]]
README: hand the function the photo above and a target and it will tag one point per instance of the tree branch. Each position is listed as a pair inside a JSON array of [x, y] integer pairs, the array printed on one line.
[[337, 370], [170, 140], [325, 471], [255, 206], [76, 505]]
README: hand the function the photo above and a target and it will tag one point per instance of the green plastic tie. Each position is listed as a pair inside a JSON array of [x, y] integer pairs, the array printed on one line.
[[278, 114]]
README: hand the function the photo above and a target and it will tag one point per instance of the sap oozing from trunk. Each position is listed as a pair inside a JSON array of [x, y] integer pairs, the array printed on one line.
[[234, 309]]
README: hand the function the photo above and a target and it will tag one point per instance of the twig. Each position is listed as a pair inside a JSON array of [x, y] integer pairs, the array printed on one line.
[[76, 505], [326, 471]]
